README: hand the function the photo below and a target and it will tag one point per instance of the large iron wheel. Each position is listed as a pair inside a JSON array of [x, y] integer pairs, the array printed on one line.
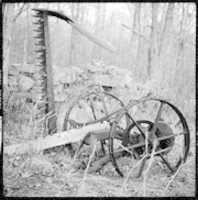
[[90, 108], [163, 122]]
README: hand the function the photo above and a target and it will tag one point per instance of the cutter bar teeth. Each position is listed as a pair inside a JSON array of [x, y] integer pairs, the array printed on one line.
[[38, 30], [40, 51], [40, 44]]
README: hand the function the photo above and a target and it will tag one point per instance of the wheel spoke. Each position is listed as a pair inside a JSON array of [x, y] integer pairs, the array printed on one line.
[[104, 105], [138, 126], [94, 116], [159, 112], [166, 162], [159, 130], [106, 113], [143, 162], [152, 134], [92, 108], [157, 118], [178, 163], [123, 147]]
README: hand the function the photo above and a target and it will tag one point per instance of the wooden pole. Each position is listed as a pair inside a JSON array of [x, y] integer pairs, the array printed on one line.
[[66, 137]]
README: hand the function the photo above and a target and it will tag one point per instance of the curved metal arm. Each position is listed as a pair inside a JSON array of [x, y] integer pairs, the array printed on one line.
[[55, 14], [99, 41]]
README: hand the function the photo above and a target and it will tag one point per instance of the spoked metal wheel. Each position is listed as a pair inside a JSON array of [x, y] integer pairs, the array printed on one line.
[[91, 108], [162, 122]]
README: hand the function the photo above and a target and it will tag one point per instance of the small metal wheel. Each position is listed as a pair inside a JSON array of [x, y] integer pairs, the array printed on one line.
[[162, 122], [90, 108]]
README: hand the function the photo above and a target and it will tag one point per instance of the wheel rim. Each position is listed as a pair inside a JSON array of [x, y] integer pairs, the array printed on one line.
[[186, 137], [96, 118]]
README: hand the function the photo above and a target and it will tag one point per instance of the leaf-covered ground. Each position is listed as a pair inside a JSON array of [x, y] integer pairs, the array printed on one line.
[[53, 175]]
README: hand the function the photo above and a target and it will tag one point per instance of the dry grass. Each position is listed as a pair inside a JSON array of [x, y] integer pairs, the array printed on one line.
[[30, 180]]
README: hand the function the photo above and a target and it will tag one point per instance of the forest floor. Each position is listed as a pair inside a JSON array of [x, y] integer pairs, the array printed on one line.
[[52, 174]]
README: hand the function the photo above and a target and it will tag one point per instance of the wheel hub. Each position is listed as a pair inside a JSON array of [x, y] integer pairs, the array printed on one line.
[[136, 141], [163, 130]]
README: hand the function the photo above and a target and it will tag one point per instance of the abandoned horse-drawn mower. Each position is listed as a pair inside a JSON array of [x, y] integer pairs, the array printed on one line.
[[141, 129], [138, 130], [144, 128]]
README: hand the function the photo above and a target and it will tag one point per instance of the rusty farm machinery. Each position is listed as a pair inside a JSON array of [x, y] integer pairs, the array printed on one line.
[[143, 128]]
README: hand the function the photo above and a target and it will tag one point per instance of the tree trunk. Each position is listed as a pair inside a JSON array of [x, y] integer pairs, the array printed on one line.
[[139, 38], [180, 58], [167, 49], [10, 15], [167, 27], [75, 10], [153, 49], [136, 20], [99, 24], [135, 38], [26, 39], [7, 36]]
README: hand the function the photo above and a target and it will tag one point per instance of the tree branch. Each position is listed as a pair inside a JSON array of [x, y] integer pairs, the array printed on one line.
[[19, 12], [136, 32]]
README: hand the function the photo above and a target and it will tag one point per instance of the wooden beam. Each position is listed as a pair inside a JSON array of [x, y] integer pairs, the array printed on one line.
[[66, 137]]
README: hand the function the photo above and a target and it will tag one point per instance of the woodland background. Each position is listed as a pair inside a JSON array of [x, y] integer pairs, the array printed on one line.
[[154, 42]]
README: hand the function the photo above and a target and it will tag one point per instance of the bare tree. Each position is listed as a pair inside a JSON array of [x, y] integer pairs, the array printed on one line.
[[180, 51], [167, 26], [99, 28], [137, 28], [153, 47], [7, 26], [26, 35], [10, 14], [136, 36], [75, 11]]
